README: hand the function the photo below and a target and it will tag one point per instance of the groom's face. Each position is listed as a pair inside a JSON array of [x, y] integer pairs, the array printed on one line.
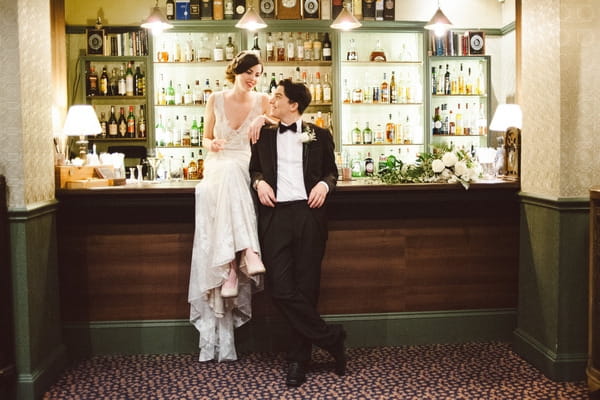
[[281, 107]]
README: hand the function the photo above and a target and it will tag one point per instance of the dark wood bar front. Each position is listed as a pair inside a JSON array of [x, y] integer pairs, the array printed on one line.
[[125, 252]]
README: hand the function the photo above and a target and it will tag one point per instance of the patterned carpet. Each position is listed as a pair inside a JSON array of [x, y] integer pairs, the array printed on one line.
[[482, 371]]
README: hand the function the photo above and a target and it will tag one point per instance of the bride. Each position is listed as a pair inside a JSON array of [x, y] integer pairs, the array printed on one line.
[[226, 267]]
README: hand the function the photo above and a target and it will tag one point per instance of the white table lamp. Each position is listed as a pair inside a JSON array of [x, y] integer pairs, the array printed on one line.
[[82, 121]]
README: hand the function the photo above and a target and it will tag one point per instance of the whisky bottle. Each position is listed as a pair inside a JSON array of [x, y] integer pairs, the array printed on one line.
[[352, 54], [378, 53], [131, 125], [393, 90], [122, 123], [195, 9], [92, 82], [229, 49], [200, 165], [113, 130], [384, 96], [186, 137], [218, 12], [218, 51], [192, 168], [141, 123], [280, 48], [320, 121]]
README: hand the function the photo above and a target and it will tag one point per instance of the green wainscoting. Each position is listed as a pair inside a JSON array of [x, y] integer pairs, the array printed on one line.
[[267, 334], [40, 353], [553, 285]]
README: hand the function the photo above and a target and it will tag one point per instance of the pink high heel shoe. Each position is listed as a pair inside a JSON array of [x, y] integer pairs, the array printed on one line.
[[253, 264], [230, 286]]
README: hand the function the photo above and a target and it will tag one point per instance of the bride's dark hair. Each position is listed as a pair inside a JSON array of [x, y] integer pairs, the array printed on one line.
[[241, 63]]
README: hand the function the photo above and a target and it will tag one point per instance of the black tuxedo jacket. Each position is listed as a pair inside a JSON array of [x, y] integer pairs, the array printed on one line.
[[318, 164]]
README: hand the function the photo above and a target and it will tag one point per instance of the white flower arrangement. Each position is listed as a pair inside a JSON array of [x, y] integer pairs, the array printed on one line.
[[444, 165], [308, 135]]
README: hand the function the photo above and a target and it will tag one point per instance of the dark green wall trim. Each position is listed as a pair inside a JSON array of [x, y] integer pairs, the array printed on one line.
[[558, 367], [267, 334], [553, 285], [508, 28], [32, 211], [32, 385]]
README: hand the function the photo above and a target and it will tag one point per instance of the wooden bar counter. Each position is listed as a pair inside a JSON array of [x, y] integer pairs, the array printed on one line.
[[124, 252]]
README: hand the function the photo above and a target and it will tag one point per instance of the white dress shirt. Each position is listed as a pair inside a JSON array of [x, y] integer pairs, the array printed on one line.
[[290, 175]]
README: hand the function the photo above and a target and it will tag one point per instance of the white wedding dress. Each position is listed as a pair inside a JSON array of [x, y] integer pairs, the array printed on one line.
[[225, 225]]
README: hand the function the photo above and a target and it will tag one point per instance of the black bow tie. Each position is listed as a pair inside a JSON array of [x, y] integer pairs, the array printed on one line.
[[283, 127]]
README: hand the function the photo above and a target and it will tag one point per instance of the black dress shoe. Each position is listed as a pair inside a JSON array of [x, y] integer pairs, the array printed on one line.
[[296, 374], [338, 351]]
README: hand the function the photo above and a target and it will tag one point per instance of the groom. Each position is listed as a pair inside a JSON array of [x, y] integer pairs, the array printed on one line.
[[293, 171]]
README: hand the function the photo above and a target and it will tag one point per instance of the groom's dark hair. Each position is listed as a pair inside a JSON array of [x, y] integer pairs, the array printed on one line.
[[297, 92]]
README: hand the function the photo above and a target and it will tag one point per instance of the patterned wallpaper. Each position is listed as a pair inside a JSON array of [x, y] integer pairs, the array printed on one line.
[[26, 155], [559, 97]]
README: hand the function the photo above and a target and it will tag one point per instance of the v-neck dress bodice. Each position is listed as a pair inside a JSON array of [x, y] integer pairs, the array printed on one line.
[[225, 226]]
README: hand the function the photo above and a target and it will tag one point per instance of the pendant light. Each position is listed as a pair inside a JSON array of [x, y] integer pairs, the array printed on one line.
[[251, 21], [156, 21], [345, 21], [439, 23]]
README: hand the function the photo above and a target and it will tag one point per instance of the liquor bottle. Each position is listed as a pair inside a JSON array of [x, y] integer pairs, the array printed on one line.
[[469, 82], [200, 134], [461, 81], [482, 121], [352, 54], [312, 9], [357, 94], [326, 47], [264, 83], [389, 13], [218, 11], [299, 47], [445, 129], [129, 80], [270, 48], [228, 9], [204, 51], [308, 50], [367, 134], [229, 49], [207, 91], [440, 82], [280, 48], [194, 135], [290, 48], [267, 8], [356, 134], [437, 122], [139, 82], [447, 85], [141, 123], [318, 88], [113, 129], [451, 123], [122, 123], [188, 96], [197, 93], [393, 89], [103, 125], [433, 81], [92, 82], [459, 122], [368, 10], [326, 89], [113, 83], [384, 94], [178, 94], [192, 168], [170, 94], [103, 83], [357, 166], [317, 48], [200, 165], [177, 132], [390, 131], [122, 83], [195, 9], [346, 93], [320, 121], [170, 10], [218, 51], [407, 130], [273, 84], [131, 125], [186, 136], [357, 9], [369, 165], [378, 53], [255, 47]]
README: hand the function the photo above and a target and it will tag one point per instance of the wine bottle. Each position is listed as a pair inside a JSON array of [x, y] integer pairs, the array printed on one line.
[[273, 84], [113, 83], [113, 130], [122, 123], [326, 47], [129, 80], [131, 125], [103, 125], [194, 134], [92, 82], [256, 47], [139, 82], [229, 49], [122, 84]]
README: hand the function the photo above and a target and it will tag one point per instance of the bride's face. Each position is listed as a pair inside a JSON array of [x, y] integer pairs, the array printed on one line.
[[247, 80]]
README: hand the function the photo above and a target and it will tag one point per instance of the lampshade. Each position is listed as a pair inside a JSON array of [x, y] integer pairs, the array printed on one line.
[[345, 21], [507, 116], [156, 22], [81, 121], [251, 21], [439, 23]]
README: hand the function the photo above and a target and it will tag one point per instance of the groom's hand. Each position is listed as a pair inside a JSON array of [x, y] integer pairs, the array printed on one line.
[[317, 196], [266, 195]]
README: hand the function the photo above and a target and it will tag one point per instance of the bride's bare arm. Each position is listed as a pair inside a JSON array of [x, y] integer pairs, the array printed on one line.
[[208, 139], [259, 121]]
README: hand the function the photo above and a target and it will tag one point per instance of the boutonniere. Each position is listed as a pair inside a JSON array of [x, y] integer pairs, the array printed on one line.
[[308, 135]]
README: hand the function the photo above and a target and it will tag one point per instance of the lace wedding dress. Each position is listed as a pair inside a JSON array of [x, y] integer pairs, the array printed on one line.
[[225, 225]]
